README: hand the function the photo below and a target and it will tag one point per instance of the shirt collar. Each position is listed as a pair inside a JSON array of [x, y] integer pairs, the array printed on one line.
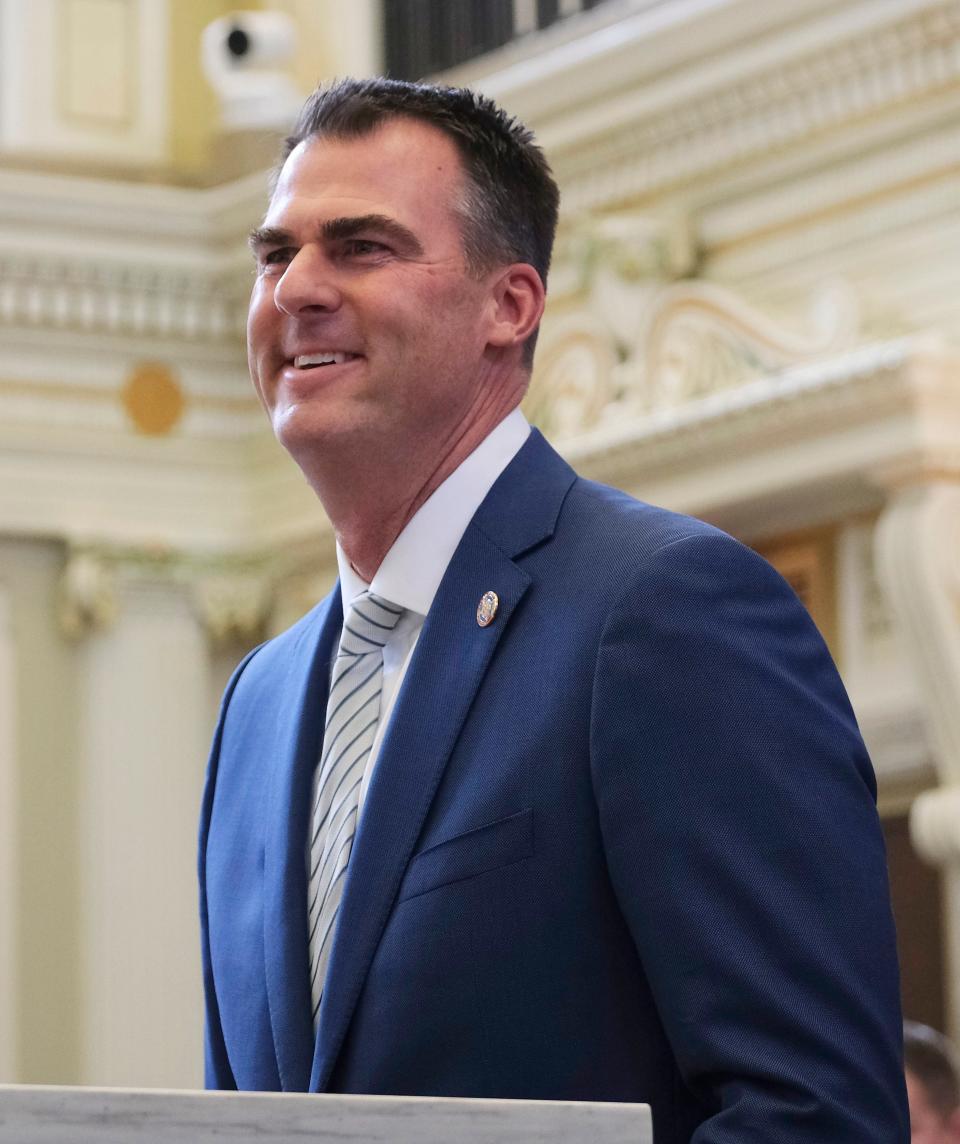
[[414, 566]]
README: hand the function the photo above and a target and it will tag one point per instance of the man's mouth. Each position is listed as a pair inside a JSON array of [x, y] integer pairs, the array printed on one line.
[[327, 357]]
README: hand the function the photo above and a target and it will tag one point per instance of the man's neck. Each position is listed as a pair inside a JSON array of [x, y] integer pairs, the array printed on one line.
[[371, 499]]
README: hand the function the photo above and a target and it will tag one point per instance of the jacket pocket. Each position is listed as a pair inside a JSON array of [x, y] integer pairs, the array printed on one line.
[[489, 847]]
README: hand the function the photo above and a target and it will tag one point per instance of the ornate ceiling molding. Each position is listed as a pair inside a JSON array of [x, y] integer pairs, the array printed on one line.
[[82, 211], [89, 296], [99, 277], [871, 416], [115, 259], [727, 103]]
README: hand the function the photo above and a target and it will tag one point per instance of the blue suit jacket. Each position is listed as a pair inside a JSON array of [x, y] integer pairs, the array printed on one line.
[[620, 844]]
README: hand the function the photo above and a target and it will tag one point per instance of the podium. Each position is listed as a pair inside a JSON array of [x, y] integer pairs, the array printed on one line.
[[39, 1114]]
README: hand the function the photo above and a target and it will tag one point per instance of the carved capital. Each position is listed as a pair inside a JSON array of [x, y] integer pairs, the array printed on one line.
[[232, 595], [87, 598], [233, 604]]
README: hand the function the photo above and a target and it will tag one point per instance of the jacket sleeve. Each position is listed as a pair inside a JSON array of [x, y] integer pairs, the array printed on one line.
[[737, 807], [217, 1071]]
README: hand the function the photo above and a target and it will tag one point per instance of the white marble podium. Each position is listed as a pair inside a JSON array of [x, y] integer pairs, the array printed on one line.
[[37, 1114]]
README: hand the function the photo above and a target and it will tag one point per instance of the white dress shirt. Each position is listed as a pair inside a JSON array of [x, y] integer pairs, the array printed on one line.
[[417, 560]]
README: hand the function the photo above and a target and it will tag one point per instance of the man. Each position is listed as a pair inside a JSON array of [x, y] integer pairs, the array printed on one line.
[[933, 1085], [572, 804]]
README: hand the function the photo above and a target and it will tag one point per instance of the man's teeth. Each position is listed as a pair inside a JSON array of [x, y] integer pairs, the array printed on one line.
[[305, 360]]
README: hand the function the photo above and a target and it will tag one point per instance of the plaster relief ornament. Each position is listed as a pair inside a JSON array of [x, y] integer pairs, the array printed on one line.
[[87, 595]]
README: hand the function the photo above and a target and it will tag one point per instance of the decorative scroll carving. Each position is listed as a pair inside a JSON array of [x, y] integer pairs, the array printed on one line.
[[697, 339], [619, 264], [639, 343], [574, 379]]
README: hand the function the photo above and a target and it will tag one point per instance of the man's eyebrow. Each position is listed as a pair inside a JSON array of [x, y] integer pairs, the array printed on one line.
[[269, 236], [348, 227], [340, 228]]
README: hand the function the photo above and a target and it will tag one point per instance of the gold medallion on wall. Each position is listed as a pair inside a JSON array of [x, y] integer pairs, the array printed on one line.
[[153, 399]]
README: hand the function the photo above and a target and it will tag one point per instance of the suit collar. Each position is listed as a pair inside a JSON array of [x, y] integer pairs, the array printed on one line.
[[522, 508]]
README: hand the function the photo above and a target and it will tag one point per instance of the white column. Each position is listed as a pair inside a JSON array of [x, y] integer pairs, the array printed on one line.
[[9, 896], [918, 559], [145, 728]]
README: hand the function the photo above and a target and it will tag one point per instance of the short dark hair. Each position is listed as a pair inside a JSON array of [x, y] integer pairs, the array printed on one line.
[[933, 1061], [509, 212]]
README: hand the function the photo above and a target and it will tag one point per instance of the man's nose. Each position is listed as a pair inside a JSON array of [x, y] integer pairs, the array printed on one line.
[[306, 284]]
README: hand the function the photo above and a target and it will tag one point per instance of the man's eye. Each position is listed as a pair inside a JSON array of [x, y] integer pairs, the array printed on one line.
[[361, 246], [279, 257]]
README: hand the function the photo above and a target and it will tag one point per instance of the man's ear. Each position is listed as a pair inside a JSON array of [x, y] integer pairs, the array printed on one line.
[[518, 298], [953, 1125]]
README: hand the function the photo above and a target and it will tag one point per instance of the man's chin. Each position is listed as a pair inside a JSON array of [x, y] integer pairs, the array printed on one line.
[[297, 432], [304, 432]]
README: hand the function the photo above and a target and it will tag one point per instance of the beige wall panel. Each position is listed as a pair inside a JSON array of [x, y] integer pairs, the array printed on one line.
[[85, 81], [96, 38]]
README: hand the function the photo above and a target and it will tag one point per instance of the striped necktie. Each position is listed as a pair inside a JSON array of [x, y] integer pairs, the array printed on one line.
[[353, 711]]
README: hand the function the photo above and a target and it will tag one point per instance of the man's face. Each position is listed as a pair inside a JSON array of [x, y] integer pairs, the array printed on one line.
[[365, 327], [927, 1126]]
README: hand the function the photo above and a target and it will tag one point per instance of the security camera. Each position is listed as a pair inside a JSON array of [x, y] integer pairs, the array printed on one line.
[[244, 59], [249, 40]]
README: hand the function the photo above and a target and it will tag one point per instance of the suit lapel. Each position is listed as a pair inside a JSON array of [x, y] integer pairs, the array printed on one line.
[[451, 658], [295, 752]]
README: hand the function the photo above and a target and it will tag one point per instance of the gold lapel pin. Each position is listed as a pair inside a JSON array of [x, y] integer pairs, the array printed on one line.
[[487, 608]]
